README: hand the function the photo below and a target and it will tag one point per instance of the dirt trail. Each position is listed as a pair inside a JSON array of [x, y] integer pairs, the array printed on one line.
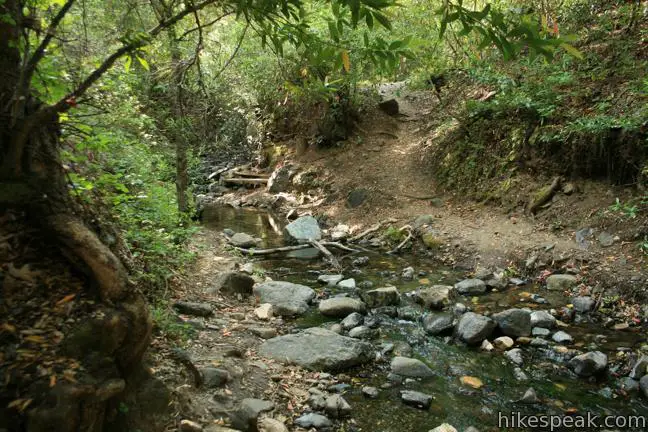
[[386, 159]]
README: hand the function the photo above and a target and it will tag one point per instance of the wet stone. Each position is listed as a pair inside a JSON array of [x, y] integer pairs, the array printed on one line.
[[416, 399], [562, 338]]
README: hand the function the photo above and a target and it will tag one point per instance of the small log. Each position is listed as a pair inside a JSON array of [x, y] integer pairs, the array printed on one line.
[[327, 253], [253, 252], [244, 181], [543, 196], [249, 174], [370, 230]]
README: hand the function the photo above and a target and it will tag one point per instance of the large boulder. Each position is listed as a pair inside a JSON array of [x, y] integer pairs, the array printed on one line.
[[232, 283], [410, 367], [286, 298], [514, 322], [561, 282], [435, 324], [386, 296], [474, 328], [471, 287], [340, 307], [318, 349], [588, 364], [303, 230], [435, 296]]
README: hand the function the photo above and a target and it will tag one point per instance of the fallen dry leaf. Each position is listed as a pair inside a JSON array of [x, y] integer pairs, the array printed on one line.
[[473, 382]]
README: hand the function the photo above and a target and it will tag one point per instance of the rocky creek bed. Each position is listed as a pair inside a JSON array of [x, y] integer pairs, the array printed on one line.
[[402, 343]]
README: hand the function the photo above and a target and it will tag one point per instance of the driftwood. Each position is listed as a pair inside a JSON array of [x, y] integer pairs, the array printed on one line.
[[238, 173], [244, 181], [543, 196], [404, 242], [370, 230], [327, 253], [281, 249]]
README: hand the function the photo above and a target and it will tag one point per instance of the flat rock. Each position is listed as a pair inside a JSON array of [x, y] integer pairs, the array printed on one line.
[[347, 283], [287, 299], [362, 332], [330, 280], [385, 296], [561, 282], [243, 240], [471, 287], [263, 332], [435, 296], [192, 308], [303, 230], [264, 311], [416, 399], [267, 424], [409, 367], [246, 416], [474, 328], [540, 332], [588, 364], [313, 420], [435, 324], [317, 349], [562, 338], [542, 319], [515, 355], [215, 377], [352, 320], [514, 322], [337, 407], [340, 307], [233, 283]]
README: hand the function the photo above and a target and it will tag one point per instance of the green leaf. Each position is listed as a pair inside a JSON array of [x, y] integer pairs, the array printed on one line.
[[365, 36], [369, 20], [144, 63], [127, 63], [383, 20], [572, 51], [395, 45]]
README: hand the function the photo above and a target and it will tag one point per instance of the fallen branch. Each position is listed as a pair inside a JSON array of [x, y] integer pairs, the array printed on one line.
[[404, 242], [246, 180], [370, 230], [270, 251], [327, 253]]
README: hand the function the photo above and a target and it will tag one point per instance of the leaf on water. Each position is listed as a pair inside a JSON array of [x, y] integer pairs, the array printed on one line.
[[471, 381]]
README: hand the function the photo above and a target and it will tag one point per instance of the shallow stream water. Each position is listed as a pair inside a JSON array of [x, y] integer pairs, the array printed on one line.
[[560, 391]]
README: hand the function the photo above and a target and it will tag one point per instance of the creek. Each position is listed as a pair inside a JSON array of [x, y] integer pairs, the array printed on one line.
[[559, 390]]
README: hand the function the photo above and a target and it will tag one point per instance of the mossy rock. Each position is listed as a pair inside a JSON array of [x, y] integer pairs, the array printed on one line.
[[431, 241]]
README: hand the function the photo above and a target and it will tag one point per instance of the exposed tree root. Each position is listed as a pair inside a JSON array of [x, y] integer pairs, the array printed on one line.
[[404, 242], [543, 196], [370, 230]]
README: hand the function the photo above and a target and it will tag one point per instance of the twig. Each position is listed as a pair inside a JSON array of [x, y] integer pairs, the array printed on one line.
[[327, 253]]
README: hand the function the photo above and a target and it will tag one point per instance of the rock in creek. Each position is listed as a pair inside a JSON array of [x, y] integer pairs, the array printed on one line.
[[435, 324], [352, 320], [640, 368], [337, 407], [246, 416], [540, 332], [416, 399], [267, 424], [503, 343], [409, 367], [588, 364], [287, 299], [542, 319], [515, 355], [313, 420], [583, 304], [562, 338], [514, 322], [529, 397], [340, 307], [408, 273], [303, 230], [370, 392], [330, 280], [474, 328], [362, 332], [243, 240], [643, 385], [214, 377], [471, 287], [445, 427], [561, 282], [347, 284], [233, 283], [379, 297], [434, 297], [191, 308], [318, 349]]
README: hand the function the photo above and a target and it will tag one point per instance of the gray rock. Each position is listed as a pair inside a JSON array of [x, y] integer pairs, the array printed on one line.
[[215, 377], [643, 386], [191, 308], [409, 313], [347, 284], [515, 355], [588, 364], [540, 332], [372, 321], [267, 424], [640, 368], [538, 342], [362, 332], [422, 220], [243, 240], [318, 349], [360, 261], [605, 239], [340, 232], [542, 319], [514, 322], [435, 296], [317, 401], [313, 420], [471, 287], [519, 374], [385, 296], [190, 426], [561, 282], [435, 324], [416, 399], [459, 309], [281, 179], [340, 307], [352, 320], [303, 230], [628, 384], [228, 232], [263, 332], [474, 328], [336, 328], [287, 299], [583, 304], [562, 338], [529, 397], [408, 273], [337, 407], [356, 197], [370, 392], [232, 283], [330, 280], [246, 416], [409, 367]]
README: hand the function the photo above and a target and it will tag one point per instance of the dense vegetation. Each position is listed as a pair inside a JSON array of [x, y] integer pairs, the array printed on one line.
[[113, 113]]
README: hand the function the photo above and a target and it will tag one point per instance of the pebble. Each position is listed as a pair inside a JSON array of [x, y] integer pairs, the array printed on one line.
[[503, 343], [529, 397], [370, 392], [562, 338], [515, 355]]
